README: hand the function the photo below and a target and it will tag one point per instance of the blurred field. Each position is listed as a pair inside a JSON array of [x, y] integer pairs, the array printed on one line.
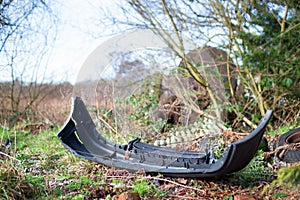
[[47, 103]]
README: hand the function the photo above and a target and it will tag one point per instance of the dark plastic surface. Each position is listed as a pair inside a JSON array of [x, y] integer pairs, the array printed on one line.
[[80, 136]]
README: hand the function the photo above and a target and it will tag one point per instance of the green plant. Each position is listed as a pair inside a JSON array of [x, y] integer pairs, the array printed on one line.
[[160, 193], [279, 130], [288, 176], [140, 106], [278, 195], [256, 170], [15, 183], [228, 197], [117, 183], [23, 168], [78, 197], [141, 186]]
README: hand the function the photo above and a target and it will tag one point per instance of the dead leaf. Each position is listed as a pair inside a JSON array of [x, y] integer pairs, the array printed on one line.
[[129, 196], [182, 181], [212, 184]]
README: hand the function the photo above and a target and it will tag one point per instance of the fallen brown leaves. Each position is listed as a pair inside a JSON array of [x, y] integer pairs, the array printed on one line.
[[129, 196], [179, 188]]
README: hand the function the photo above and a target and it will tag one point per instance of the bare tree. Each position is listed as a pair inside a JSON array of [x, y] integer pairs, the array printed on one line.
[[174, 21], [27, 32], [258, 36]]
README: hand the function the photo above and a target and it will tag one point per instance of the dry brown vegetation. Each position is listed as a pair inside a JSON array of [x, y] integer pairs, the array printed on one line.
[[47, 103]]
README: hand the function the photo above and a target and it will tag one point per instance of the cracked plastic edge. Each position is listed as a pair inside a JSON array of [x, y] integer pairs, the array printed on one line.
[[79, 136]]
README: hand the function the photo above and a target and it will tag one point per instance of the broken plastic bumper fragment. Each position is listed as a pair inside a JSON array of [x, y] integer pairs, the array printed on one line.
[[79, 135]]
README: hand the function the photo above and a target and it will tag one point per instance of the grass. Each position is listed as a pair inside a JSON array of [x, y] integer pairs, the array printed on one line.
[[141, 186], [37, 166], [34, 161]]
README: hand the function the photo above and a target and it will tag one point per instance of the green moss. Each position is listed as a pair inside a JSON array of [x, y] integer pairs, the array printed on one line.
[[288, 176]]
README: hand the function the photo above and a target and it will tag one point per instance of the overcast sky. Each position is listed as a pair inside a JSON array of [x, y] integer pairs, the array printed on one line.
[[74, 42], [79, 22]]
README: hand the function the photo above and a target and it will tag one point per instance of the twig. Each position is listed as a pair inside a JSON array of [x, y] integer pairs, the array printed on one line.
[[173, 182], [284, 148], [182, 197], [9, 156], [107, 124], [159, 179]]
